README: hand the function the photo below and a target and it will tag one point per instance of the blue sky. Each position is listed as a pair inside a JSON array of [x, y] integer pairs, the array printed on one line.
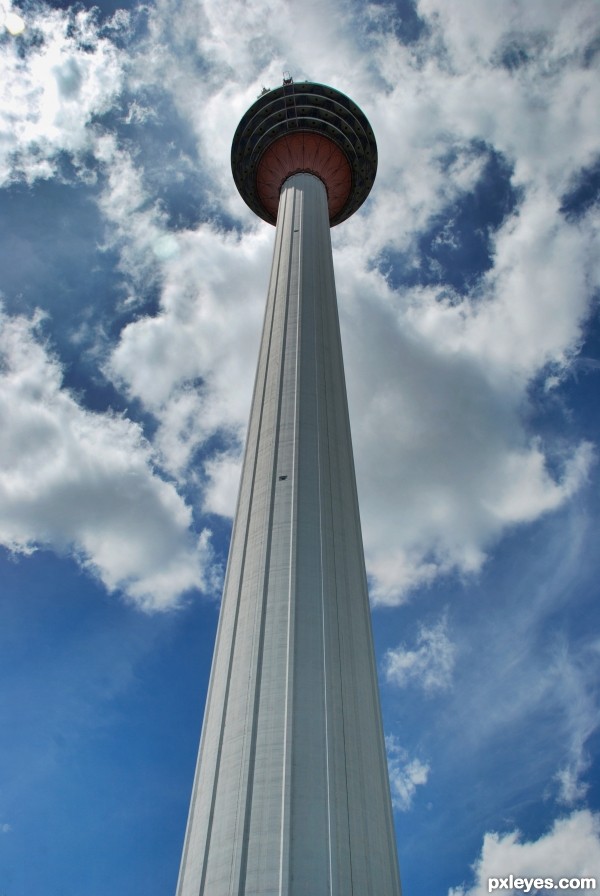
[[132, 283]]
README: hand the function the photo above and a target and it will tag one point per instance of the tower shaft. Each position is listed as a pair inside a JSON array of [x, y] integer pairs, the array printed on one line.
[[291, 794]]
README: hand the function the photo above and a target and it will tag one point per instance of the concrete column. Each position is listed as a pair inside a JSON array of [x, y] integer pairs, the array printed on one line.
[[291, 794]]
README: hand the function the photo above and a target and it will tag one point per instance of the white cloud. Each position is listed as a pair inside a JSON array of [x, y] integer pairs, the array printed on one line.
[[444, 460], [78, 481], [538, 287], [548, 28], [570, 849], [61, 74], [192, 363], [430, 664], [223, 472], [406, 774], [137, 226]]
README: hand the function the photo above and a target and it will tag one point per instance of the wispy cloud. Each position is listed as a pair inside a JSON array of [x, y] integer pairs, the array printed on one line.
[[406, 774], [575, 680], [429, 664]]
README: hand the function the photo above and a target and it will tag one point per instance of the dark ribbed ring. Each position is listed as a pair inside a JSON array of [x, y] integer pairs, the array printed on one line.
[[304, 127]]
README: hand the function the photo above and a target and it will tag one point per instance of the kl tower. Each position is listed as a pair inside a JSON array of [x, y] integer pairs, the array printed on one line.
[[291, 793]]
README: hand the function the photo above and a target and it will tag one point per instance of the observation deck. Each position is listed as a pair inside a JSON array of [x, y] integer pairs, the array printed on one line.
[[308, 128]]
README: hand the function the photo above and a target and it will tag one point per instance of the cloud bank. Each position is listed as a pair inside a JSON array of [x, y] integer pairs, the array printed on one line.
[[462, 295], [83, 482]]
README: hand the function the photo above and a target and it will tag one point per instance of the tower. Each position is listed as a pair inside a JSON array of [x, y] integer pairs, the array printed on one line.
[[291, 792]]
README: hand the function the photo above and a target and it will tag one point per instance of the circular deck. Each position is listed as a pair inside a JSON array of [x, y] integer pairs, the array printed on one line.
[[304, 127]]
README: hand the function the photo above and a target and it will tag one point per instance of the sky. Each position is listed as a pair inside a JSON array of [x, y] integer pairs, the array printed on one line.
[[132, 288]]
